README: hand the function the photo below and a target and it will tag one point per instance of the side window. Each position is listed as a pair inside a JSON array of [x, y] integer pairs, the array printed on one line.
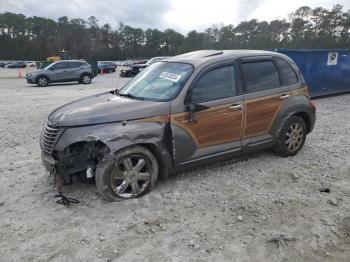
[[288, 75], [215, 84], [260, 76], [61, 65], [79, 64]]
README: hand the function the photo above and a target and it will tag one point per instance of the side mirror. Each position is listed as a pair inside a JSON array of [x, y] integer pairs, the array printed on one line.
[[192, 108]]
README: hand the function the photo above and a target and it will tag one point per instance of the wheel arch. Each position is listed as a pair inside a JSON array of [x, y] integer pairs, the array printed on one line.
[[85, 73], [306, 117], [282, 117], [164, 160]]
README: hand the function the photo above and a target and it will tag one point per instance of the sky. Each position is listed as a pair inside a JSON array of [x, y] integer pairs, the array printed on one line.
[[181, 15]]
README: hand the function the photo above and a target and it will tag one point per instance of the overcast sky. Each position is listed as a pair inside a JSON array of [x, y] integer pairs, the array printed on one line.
[[182, 15]]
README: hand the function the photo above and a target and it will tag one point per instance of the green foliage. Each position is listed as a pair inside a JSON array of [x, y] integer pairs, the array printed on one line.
[[36, 38]]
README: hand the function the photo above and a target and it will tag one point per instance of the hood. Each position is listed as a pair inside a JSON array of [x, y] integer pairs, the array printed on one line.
[[105, 108], [36, 72], [141, 65]]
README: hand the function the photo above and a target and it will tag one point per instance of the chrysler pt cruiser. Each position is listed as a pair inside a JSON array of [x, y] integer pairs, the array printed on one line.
[[178, 113]]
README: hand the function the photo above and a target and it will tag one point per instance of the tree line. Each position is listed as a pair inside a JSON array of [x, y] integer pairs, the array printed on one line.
[[36, 38]]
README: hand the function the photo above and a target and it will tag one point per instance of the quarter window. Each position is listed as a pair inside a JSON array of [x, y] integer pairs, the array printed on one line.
[[215, 84], [288, 75], [260, 76]]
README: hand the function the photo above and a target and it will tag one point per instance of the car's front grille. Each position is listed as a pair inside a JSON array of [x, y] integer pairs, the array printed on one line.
[[49, 137]]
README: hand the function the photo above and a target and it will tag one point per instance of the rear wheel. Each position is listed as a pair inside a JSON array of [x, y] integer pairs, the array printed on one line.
[[42, 81], [127, 174], [85, 79], [292, 137]]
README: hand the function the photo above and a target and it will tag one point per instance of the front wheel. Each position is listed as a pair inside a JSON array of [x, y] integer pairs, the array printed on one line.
[[292, 137], [127, 174], [42, 81]]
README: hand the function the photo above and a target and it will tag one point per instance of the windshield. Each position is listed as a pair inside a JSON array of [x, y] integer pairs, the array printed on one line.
[[158, 82], [47, 67]]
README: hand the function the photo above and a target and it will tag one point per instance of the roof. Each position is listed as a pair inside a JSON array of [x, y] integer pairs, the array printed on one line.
[[197, 58], [71, 61], [309, 50]]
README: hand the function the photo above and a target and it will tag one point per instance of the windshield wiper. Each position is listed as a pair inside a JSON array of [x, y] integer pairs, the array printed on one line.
[[130, 96]]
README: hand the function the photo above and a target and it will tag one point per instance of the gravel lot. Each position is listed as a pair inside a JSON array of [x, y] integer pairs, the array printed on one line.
[[256, 208]]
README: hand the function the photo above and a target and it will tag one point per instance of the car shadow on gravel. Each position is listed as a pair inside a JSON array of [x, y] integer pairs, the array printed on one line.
[[55, 84], [214, 166], [85, 189]]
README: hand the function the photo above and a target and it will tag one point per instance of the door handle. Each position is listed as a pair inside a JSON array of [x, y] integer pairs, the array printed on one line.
[[236, 107], [284, 97]]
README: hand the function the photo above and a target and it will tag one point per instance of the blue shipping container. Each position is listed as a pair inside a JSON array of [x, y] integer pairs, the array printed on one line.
[[326, 71]]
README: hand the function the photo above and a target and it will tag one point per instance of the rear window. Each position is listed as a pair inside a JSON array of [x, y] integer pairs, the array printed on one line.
[[288, 75], [260, 76]]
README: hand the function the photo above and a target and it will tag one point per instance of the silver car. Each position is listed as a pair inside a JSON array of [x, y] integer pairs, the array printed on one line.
[[62, 71]]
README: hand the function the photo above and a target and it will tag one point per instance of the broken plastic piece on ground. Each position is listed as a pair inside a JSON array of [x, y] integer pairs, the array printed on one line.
[[325, 190], [66, 200]]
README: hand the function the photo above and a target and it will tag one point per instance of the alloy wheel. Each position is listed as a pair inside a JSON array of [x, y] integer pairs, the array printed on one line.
[[294, 137], [131, 176], [42, 81]]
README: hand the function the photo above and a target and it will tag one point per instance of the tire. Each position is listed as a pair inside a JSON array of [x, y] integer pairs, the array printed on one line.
[[129, 173], [85, 79], [42, 81], [292, 137]]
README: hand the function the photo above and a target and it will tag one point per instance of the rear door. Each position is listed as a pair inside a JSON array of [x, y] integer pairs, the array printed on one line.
[[75, 70], [216, 125], [264, 92]]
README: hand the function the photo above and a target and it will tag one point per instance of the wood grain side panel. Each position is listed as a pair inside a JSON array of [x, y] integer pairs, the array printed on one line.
[[260, 114], [158, 119], [300, 92], [214, 126]]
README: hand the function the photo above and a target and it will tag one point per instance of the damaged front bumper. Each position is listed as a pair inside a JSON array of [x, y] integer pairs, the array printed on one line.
[[48, 162]]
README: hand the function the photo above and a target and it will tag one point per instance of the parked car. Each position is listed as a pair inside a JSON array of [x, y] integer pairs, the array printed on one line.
[[106, 67], [178, 113], [30, 64], [139, 62], [137, 68], [62, 71], [17, 65]]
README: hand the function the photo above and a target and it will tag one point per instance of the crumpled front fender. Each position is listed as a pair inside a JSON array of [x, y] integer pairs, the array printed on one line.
[[120, 135]]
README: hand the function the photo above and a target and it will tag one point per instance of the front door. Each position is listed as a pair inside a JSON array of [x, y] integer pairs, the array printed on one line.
[[59, 72], [214, 124]]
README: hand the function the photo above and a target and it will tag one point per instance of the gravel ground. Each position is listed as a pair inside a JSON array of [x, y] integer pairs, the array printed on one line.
[[256, 208]]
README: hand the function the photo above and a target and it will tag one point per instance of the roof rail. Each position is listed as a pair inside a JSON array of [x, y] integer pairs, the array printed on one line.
[[214, 54]]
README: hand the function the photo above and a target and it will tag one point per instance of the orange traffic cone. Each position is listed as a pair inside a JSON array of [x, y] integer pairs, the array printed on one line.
[[19, 73]]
